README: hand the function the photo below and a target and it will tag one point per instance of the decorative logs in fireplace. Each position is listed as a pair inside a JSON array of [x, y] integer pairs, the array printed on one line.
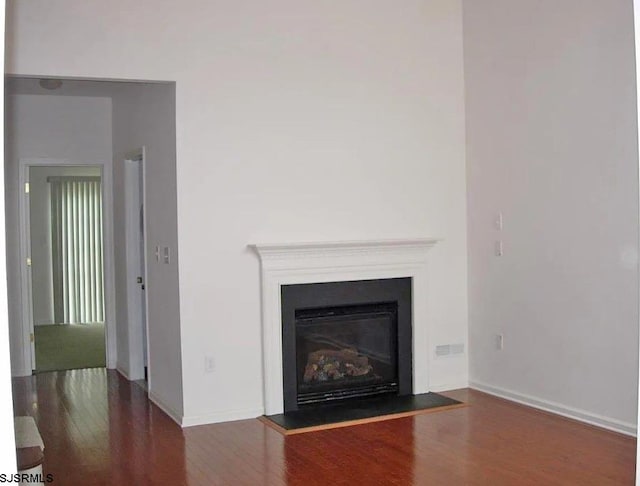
[[329, 364]]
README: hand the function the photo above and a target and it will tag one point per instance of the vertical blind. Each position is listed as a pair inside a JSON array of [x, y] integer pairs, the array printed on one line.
[[76, 234]]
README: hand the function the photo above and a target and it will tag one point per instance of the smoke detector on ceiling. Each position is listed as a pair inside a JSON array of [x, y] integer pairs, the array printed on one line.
[[50, 84]]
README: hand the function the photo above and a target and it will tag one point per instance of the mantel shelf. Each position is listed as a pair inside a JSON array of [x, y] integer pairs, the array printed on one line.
[[341, 248]]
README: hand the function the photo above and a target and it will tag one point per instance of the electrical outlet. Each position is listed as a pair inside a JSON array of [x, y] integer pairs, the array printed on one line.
[[499, 342], [209, 365]]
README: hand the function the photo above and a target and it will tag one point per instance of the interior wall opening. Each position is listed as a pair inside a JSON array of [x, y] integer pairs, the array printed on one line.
[[89, 129]]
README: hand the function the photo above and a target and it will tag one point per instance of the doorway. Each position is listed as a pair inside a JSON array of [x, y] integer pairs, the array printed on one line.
[[64, 226]]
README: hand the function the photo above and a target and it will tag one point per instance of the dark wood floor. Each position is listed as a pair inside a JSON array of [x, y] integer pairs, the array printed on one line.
[[100, 429]]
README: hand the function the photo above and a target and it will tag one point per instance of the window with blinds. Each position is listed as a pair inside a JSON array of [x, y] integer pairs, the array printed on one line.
[[77, 254]]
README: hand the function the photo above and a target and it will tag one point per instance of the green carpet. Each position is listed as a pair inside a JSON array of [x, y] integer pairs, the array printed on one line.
[[69, 346]]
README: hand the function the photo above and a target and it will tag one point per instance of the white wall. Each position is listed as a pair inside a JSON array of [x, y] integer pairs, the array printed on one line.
[[40, 219], [295, 121], [7, 443], [77, 129], [120, 129], [552, 144], [144, 115]]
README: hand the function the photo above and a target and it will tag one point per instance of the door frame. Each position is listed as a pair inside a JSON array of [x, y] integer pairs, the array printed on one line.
[[636, 33], [138, 339], [25, 164]]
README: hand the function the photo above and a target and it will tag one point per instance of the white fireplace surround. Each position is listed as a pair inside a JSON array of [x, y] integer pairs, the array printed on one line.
[[301, 263]]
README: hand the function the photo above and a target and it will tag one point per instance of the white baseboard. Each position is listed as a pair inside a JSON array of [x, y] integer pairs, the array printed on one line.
[[126, 374], [175, 416], [224, 416], [21, 372], [455, 385], [123, 373], [608, 423]]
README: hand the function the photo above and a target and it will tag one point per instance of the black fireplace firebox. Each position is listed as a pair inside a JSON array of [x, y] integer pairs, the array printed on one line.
[[345, 340]]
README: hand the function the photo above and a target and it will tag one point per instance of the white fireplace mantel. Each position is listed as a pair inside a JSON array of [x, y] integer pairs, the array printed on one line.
[[339, 261]]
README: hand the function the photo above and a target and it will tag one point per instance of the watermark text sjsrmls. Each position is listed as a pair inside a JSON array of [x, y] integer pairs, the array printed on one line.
[[26, 478]]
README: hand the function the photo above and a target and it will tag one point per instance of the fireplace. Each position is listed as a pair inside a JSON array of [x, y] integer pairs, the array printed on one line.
[[286, 266], [346, 340]]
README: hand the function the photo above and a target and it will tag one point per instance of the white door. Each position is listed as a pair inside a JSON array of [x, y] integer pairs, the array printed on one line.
[[136, 265]]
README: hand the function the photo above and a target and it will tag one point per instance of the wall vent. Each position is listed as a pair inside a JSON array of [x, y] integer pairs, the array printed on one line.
[[457, 348], [449, 349]]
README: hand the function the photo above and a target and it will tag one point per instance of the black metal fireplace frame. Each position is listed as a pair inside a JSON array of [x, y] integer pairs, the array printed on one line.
[[348, 293]]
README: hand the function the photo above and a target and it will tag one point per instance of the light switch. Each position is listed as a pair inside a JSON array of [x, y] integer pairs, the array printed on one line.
[[499, 250], [498, 221], [167, 254], [157, 253]]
